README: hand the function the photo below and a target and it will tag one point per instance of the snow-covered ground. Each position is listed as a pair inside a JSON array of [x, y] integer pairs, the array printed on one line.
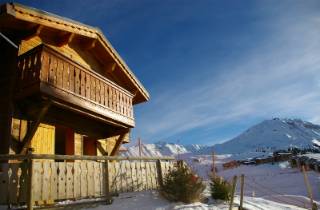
[[151, 200], [264, 184], [277, 182]]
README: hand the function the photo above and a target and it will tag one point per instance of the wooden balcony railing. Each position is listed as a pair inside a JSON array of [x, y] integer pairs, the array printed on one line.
[[44, 69]]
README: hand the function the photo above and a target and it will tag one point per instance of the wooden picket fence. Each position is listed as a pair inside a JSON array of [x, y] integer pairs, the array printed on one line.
[[41, 180]]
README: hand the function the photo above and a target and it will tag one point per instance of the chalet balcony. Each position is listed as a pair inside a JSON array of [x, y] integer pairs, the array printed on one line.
[[45, 71]]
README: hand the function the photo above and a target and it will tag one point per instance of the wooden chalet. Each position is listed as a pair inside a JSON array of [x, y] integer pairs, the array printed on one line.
[[66, 108], [64, 88]]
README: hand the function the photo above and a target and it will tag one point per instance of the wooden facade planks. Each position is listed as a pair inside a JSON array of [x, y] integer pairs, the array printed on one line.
[[77, 180], [90, 176], [96, 177], [45, 179], [53, 181], [69, 180], [61, 180], [37, 181], [83, 180], [44, 139]]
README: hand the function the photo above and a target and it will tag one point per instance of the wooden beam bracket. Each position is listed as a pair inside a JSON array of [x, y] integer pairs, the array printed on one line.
[[101, 149], [33, 128], [110, 67], [33, 33], [65, 39], [118, 143], [88, 45]]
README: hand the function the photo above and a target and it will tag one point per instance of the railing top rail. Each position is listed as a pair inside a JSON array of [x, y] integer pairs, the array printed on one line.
[[78, 157]]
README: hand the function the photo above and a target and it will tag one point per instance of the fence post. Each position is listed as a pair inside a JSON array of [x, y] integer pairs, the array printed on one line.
[[234, 183], [159, 171], [108, 197], [241, 191], [30, 179], [306, 181], [213, 166]]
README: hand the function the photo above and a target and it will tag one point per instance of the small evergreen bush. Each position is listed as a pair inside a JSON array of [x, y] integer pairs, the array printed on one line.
[[220, 189], [182, 185]]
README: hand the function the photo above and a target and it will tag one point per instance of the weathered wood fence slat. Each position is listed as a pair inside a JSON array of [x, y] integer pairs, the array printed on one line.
[[77, 178]]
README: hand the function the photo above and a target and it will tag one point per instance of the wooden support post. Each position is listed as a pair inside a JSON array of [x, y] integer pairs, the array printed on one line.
[[309, 190], [234, 183], [241, 191], [30, 175], [159, 171], [213, 166], [109, 199]]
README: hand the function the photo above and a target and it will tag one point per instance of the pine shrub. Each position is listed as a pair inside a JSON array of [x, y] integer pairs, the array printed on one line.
[[183, 185], [220, 188]]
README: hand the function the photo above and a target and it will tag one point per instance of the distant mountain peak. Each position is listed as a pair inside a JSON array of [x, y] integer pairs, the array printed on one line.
[[273, 134]]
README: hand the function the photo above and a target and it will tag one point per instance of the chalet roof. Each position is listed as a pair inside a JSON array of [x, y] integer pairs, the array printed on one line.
[[26, 14]]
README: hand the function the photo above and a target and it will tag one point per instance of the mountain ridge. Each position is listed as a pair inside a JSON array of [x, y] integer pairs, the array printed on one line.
[[268, 135]]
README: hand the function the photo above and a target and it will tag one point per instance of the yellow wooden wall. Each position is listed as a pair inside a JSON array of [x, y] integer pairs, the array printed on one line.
[[78, 144], [44, 139]]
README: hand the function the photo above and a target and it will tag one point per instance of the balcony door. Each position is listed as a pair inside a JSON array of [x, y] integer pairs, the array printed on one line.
[[64, 141], [89, 146]]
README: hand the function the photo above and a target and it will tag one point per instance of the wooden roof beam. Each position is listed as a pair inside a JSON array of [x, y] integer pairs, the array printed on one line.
[[65, 39], [32, 33], [110, 67], [90, 44]]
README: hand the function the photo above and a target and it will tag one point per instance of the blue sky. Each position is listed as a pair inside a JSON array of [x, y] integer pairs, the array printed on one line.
[[213, 68]]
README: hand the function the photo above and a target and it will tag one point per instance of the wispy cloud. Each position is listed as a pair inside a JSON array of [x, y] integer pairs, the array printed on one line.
[[279, 78]]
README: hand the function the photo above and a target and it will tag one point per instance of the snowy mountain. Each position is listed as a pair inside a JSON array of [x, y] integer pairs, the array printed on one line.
[[163, 149], [271, 135]]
